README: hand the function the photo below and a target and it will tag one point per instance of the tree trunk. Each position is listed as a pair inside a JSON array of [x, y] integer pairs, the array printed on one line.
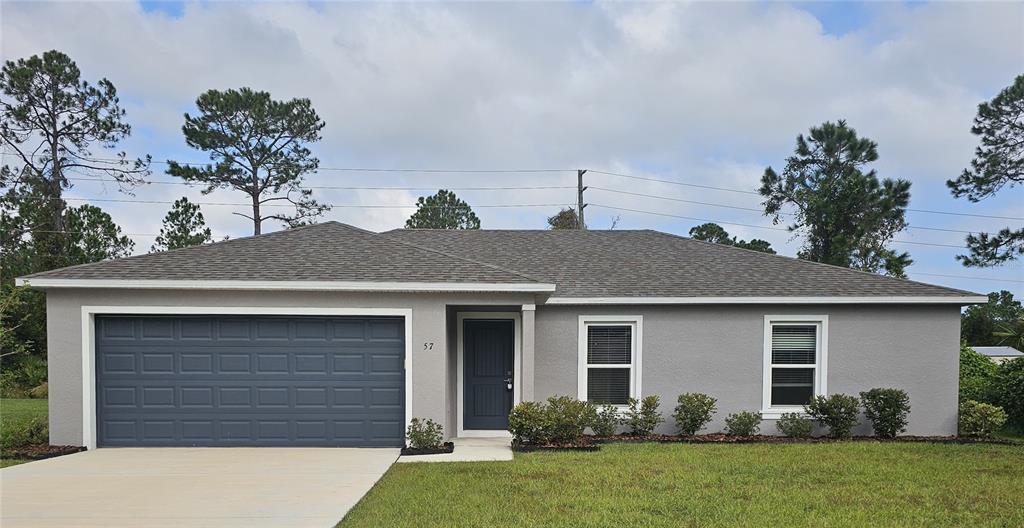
[[256, 220]]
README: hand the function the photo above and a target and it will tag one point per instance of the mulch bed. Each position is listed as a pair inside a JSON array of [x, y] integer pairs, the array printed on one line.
[[446, 447], [583, 444], [41, 451], [720, 438]]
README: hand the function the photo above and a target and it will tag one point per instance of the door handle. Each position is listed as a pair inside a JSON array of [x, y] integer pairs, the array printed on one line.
[[508, 383]]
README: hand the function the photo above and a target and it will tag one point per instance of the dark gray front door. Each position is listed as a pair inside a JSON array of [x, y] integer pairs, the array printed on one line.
[[250, 381], [488, 355]]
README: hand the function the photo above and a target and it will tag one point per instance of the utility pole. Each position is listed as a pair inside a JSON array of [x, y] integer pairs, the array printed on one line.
[[580, 224]]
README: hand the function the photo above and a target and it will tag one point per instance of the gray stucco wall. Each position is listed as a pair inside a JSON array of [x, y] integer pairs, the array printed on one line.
[[431, 371], [718, 350]]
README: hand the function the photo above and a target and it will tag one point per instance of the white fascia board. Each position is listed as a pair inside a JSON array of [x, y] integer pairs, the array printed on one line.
[[359, 286], [959, 300]]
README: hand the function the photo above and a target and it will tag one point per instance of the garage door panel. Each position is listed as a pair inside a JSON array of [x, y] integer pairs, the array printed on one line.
[[164, 380]]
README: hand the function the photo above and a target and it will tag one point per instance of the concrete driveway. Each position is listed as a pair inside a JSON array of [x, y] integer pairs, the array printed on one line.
[[188, 487]]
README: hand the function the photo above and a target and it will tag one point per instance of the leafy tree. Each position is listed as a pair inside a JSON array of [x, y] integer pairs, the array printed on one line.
[[50, 119], [846, 215], [712, 232], [258, 146], [443, 210], [979, 323], [977, 374], [184, 226], [1011, 333], [998, 162], [565, 219]]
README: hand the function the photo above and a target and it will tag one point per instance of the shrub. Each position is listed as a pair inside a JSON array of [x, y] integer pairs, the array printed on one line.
[[606, 421], [794, 425], [838, 412], [1008, 390], [887, 409], [21, 375], [567, 418], [693, 412], [744, 423], [21, 433], [41, 392], [977, 374], [559, 420], [642, 417], [424, 434], [528, 423], [980, 419]]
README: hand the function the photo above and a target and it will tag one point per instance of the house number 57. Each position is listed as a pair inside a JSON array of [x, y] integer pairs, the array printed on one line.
[[428, 346]]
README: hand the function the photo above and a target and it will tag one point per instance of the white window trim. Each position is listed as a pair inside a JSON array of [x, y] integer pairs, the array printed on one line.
[[585, 321], [820, 369], [517, 361], [89, 343]]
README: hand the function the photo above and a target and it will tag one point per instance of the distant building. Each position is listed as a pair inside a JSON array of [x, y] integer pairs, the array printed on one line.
[[999, 354]]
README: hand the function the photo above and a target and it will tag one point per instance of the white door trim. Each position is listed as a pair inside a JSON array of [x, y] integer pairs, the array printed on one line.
[[89, 343], [517, 360]]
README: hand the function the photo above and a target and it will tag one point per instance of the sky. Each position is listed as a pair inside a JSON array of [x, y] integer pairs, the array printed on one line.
[[705, 94]]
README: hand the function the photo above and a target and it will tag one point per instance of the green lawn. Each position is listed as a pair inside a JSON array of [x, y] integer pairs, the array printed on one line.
[[16, 411], [834, 484]]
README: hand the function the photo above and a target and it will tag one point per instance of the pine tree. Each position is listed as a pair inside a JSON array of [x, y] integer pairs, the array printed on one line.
[[443, 210], [184, 226]]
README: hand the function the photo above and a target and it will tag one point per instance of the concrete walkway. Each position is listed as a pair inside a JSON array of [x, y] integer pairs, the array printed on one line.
[[470, 450], [191, 487]]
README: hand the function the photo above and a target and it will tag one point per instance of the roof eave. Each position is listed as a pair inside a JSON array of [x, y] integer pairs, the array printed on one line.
[[355, 286], [870, 299]]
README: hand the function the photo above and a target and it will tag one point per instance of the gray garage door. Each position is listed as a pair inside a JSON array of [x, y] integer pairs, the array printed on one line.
[[250, 381]]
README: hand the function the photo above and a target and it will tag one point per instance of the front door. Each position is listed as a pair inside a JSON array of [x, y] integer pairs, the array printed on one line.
[[488, 346]]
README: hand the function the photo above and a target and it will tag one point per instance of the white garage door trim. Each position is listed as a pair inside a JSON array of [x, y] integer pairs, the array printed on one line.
[[89, 343]]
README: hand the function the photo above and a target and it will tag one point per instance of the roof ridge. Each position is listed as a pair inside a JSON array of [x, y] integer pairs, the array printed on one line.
[[457, 257], [812, 262], [219, 243]]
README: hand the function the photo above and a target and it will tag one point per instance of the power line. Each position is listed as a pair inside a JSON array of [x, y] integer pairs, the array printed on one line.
[[750, 225], [347, 188], [368, 206], [672, 182], [749, 208], [964, 277]]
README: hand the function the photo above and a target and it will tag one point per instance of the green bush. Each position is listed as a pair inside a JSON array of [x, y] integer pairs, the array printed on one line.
[[980, 419], [838, 412], [794, 425], [1008, 390], [23, 433], [693, 412], [528, 423], [567, 418], [560, 420], [424, 434], [977, 374], [20, 375], [744, 423], [642, 417], [606, 421], [887, 409]]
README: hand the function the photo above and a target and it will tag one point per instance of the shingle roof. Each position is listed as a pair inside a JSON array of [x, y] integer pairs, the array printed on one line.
[[330, 251], [654, 264], [580, 263]]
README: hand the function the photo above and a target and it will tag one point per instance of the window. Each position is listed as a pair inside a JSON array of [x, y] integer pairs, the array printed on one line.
[[609, 359], [794, 361]]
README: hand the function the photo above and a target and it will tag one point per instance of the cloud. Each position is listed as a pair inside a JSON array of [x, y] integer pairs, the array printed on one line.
[[705, 92]]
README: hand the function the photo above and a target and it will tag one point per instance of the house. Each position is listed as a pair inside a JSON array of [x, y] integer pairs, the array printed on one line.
[[333, 335], [999, 354]]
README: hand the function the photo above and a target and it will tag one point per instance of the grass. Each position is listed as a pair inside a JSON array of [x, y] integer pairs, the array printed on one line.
[[653, 485], [13, 413]]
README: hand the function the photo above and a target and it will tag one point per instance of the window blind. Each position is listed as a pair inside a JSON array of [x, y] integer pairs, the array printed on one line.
[[608, 385], [609, 345], [794, 345]]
